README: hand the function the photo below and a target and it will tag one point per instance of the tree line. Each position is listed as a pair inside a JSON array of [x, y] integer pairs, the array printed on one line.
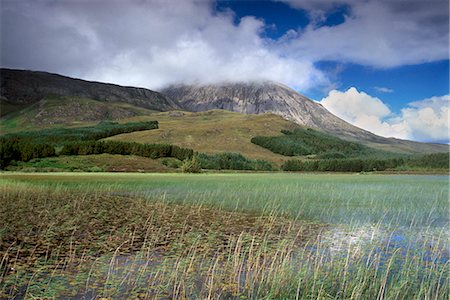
[[127, 148], [62, 136], [18, 150], [428, 161], [342, 165], [232, 161], [26, 145], [308, 141]]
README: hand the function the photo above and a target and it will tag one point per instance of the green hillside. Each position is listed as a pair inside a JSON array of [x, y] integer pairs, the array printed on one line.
[[265, 137], [214, 131], [55, 111], [313, 143]]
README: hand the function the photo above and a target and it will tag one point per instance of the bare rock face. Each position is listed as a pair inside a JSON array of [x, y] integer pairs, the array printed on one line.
[[264, 97], [26, 87]]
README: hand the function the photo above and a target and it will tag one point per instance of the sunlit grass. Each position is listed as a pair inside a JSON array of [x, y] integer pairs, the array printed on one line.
[[256, 236]]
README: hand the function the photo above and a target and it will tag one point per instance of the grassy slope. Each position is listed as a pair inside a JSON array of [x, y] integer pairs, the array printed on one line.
[[64, 112], [93, 163], [404, 146], [210, 132], [213, 132], [7, 108]]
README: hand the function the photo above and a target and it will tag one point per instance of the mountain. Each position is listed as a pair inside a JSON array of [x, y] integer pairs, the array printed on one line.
[[264, 97], [31, 100], [19, 88], [271, 97]]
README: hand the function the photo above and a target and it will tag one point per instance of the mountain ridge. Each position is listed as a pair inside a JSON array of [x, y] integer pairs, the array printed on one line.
[[33, 98], [257, 97], [26, 87]]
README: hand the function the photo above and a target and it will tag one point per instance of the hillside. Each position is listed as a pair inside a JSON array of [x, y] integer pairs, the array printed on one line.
[[308, 141], [35, 100], [65, 111], [20, 87], [264, 97], [213, 131], [271, 97]]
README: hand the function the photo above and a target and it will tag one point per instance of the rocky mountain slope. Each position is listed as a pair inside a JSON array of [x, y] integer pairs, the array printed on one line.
[[29, 99], [263, 97], [271, 97], [19, 87]]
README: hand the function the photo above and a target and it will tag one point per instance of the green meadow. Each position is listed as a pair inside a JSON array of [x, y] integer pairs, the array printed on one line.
[[224, 236]]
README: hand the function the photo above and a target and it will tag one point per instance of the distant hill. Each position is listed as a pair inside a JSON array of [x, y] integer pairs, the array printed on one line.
[[270, 97], [31, 100], [64, 111], [214, 131], [20, 88]]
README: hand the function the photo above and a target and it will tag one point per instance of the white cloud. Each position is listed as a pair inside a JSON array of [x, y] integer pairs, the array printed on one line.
[[152, 43], [350, 105], [382, 89], [426, 120], [145, 43], [379, 33], [156, 42]]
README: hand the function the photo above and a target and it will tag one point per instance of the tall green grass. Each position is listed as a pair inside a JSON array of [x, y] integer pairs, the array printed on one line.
[[222, 236], [331, 198]]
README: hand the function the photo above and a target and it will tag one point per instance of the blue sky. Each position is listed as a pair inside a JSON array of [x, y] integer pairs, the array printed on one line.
[[408, 83], [279, 16], [412, 82], [382, 65]]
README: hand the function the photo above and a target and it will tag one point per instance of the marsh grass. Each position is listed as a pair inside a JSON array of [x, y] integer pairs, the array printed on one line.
[[53, 230], [239, 236]]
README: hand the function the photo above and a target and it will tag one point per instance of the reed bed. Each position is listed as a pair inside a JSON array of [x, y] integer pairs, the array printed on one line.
[[230, 236]]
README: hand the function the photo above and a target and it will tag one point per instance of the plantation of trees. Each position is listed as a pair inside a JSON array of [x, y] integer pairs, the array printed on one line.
[[232, 161], [62, 136], [429, 161], [127, 148], [26, 145], [14, 149], [309, 141]]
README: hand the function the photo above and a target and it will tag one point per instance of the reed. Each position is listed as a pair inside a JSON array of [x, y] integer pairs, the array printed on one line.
[[224, 236]]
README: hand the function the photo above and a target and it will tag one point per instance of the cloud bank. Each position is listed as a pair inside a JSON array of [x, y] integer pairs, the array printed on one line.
[[145, 43], [426, 120], [378, 33], [154, 43]]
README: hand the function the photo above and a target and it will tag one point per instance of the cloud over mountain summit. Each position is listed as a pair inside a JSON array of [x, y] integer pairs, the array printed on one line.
[[155, 43]]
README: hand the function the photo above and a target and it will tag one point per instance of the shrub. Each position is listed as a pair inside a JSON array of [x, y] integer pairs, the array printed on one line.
[[232, 161], [171, 162], [191, 166], [95, 169]]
